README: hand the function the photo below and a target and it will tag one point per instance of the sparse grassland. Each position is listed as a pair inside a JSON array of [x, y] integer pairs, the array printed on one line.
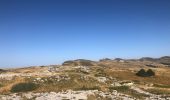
[[159, 91], [6, 85], [126, 74], [74, 78]]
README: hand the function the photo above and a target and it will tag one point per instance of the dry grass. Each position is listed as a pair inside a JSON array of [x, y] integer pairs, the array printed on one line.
[[127, 90], [75, 83], [127, 74], [159, 91], [120, 71], [7, 85], [161, 86]]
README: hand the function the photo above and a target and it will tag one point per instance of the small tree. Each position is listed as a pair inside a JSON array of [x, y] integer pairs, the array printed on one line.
[[141, 73], [150, 72]]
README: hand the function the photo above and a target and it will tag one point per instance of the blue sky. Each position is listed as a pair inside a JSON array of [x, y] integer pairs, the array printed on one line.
[[43, 32]]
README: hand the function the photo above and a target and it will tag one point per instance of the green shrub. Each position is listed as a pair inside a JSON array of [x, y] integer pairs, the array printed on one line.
[[150, 72], [144, 73], [23, 87], [141, 73]]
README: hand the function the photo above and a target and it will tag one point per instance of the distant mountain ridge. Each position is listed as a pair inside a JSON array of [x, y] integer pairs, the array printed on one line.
[[83, 62], [163, 60]]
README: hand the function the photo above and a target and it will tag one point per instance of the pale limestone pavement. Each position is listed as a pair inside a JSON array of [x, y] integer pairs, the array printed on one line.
[[76, 95], [69, 95]]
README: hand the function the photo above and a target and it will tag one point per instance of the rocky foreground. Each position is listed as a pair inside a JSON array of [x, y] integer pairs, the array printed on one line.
[[77, 95]]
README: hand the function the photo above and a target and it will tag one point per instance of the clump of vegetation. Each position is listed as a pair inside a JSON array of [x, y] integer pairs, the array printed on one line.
[[23, 87], [141, 73], [150, 72], [144, 73]]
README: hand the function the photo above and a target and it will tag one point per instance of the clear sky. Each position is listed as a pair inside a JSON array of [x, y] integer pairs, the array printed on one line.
[[43, 32]]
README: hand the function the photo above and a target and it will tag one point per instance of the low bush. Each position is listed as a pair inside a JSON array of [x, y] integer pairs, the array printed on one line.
[[23, 87], [141, 73], [150, 72], [144, 73]]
